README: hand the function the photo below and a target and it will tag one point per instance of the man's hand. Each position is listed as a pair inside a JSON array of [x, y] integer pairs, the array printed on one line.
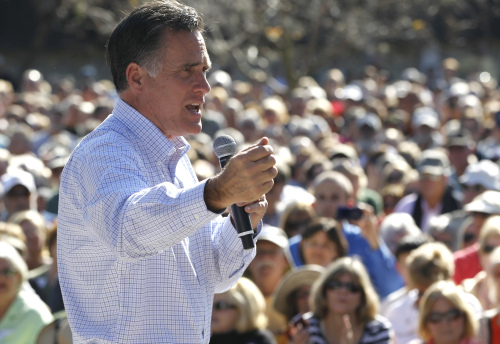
[[369, 225], [246, 178]]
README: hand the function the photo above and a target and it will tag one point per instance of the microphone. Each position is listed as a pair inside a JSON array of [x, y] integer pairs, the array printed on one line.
[[225, 147]]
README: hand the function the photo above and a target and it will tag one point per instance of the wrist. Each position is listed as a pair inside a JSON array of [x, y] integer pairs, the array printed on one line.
[[213, 196]]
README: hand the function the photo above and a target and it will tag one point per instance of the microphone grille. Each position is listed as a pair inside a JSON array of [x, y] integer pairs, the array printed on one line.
[[224, 145]]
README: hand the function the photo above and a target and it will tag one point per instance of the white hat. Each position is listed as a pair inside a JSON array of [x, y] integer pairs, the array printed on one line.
[[488, 202], [425, 116], [275, 235], [435, 162], [18, 177], [485, 173]]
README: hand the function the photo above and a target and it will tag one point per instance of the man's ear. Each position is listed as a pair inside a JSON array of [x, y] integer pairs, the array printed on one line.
[[135, 75]]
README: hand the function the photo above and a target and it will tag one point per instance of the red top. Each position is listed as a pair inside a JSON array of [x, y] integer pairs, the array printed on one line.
[[467, 263]]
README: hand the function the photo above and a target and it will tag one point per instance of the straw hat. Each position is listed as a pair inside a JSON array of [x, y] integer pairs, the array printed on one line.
[[58, 331], [303, 275]]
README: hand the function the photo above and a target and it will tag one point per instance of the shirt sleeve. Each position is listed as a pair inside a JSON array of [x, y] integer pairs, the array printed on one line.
[[379, 263], [123, 210]]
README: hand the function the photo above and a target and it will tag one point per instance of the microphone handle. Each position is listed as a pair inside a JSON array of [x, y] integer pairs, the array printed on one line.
[[241, 218], [243, 226]]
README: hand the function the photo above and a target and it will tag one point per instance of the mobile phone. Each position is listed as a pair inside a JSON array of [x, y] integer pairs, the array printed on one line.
[[349, 213]]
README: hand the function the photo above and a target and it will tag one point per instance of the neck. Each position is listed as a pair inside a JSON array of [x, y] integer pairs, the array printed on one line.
[[5, 305]]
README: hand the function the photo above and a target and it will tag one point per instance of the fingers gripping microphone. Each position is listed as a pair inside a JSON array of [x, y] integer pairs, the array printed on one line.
[[225, 148]]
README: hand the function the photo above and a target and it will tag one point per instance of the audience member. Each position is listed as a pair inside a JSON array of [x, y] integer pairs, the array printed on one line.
[[344, 307], [332, 189], [395, 227], [430, 263], [434, 196], [445, 317], [292, 295], [480, 285], [22, 314], [467, 263], [322, 242], [267, 269], [489, 322], [18, 192], [33, 225], [238, 316], [45, 281]]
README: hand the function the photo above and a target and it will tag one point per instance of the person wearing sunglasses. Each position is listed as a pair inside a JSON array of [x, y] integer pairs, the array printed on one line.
[[426, 265], [238, 316], [22, 314], [344, 309], [445, 317], [467, 261], [480, 285]]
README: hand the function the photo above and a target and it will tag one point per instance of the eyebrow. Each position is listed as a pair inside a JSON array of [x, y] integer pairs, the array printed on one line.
[[195, 64]]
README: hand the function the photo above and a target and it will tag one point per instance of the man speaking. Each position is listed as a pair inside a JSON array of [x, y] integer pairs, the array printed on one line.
[[141, 245]]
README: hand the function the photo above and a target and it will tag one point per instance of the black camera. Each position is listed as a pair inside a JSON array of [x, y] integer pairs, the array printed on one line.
[[349, 213]]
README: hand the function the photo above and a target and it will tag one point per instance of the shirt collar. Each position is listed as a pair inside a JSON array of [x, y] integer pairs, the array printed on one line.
[[161, 147]]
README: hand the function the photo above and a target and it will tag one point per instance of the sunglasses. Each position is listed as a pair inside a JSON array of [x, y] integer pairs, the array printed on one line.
[[475, 187], [223, 305], [7, 272], [337, 285], [451, 315], [479, 214], [488, 248], [430, 177]]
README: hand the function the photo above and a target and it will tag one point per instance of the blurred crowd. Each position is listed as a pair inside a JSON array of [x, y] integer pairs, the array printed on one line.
[[383, 223]]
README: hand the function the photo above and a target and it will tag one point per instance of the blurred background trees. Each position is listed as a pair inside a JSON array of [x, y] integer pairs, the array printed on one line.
[[284, 38]]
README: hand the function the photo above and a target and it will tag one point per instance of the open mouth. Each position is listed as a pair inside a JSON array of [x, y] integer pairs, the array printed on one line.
[[194, 107]]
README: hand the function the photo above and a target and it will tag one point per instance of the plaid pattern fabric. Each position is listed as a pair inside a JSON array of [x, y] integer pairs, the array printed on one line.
[[139, 254]]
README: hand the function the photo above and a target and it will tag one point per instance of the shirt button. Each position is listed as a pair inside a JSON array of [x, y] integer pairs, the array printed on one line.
[[159, 163], [196, 216]]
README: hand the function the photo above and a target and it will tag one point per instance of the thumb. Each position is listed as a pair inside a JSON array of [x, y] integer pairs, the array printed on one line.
[[262, 142]]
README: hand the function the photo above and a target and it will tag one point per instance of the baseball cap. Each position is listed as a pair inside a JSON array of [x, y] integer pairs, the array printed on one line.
[[485, 173], [435, 162], [425, 116], [488, 202], [371, 120], [18, 177], [275, 235]]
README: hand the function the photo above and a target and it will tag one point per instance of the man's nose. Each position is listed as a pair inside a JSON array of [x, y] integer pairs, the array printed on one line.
[[202, 84]]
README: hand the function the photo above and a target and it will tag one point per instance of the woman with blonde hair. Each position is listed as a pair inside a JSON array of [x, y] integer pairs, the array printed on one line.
[[445, 317], [239, 316], [482, 285], [344, 309], [22, 313]]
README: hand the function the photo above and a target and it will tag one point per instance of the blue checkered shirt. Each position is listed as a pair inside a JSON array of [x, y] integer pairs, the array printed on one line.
[[139, 254]]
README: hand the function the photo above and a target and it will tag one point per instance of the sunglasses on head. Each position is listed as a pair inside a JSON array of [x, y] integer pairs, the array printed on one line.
[[7, 272], [452, 314], [337, 285], [222, 305]]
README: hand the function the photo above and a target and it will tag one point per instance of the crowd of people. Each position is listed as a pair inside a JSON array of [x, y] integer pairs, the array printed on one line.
[[383, 224]]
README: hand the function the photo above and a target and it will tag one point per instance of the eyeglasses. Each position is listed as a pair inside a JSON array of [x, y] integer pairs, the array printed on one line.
[[223, 305], [451, 315], [337, 285], [7, 272]]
